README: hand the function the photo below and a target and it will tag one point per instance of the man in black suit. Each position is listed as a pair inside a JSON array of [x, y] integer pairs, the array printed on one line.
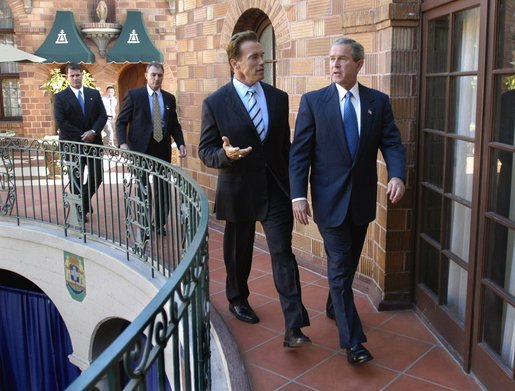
[[151, 114], [338, 132], [81, 116], [246, 135]]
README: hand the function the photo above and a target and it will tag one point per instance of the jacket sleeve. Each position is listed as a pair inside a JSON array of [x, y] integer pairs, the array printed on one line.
[[124, 118], [301, 150], [175, 126], [210, 148], [391, 147], [101, 117]]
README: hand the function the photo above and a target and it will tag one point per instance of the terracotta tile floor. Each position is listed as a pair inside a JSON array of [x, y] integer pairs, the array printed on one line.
[[407, 355]]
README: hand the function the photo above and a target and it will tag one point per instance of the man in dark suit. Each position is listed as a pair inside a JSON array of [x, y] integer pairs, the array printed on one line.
[[81, 116], [151, 114], [337, 137], [246, 135]]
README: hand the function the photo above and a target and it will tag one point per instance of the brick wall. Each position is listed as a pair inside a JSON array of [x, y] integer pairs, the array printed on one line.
[[193, 41]]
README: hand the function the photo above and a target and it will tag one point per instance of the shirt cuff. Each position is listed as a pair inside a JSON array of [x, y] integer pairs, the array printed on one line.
[[299, 199]]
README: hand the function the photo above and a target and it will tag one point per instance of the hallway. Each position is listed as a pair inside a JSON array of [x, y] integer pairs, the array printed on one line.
[[407, 355]]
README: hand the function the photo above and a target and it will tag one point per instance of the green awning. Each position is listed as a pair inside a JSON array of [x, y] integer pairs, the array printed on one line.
[[64, 43], [134, 44]]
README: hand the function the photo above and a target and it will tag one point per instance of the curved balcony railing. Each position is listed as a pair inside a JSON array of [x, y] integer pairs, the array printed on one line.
[[153, 212]]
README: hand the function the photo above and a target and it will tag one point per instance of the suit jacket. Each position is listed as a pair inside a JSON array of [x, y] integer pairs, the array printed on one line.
[[137, 113], [70, 119], [337, 181], [242, 189]]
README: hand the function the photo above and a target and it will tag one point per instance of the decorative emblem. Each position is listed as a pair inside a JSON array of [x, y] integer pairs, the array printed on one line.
[[61, 38], [133, 37], [75, 275]]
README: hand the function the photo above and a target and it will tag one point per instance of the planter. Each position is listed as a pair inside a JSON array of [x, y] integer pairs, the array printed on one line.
[[50, 148]]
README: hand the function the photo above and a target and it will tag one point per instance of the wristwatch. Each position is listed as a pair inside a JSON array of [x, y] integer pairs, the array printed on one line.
[[93, 130]]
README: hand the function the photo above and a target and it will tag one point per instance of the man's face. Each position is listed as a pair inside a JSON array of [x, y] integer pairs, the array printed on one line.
[[110, 92], [250, 67], [74, 77], [344, 70], [154, 77]]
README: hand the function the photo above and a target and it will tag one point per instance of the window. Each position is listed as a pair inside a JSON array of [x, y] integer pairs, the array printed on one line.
[[256, 20], [267, 40], [10, 102]]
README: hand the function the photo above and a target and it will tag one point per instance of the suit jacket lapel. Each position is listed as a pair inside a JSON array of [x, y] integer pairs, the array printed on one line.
[[272, 108], [143, 97], [74, 101], [366, 100], [334, 119], [233, 101], [88, 102], [167, 102]]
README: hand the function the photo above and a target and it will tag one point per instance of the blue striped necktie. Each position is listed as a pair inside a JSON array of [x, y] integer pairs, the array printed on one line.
[[256, 115], [350, 124]]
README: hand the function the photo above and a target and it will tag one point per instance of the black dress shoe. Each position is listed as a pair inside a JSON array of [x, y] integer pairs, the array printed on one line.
[[358, 354], [294, 338], [244, 313]]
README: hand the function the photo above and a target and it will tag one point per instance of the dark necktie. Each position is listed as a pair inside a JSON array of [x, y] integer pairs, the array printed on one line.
[[81, 102], [350, 123], [256, 115], [156, 118]]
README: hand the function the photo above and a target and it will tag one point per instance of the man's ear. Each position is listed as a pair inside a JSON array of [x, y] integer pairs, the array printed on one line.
[[234, 63], [360, 64]]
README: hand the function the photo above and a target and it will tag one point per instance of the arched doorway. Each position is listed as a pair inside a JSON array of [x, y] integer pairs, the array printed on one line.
[[256, 20], [132, 76]]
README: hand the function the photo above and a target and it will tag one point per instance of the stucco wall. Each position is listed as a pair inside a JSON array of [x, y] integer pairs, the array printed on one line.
[[115, 288]]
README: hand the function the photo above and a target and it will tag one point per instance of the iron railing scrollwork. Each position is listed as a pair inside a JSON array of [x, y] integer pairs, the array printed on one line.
[[151, 210]]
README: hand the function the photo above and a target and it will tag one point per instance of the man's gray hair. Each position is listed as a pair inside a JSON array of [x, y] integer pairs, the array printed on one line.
[[357, 53]]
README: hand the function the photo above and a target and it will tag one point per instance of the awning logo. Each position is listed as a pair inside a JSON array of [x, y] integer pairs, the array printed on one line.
[[133, 37], [75, 275], [61, 38]]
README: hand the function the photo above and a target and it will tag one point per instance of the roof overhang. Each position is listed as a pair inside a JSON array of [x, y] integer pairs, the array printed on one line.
[[64, 43], [134, 44]]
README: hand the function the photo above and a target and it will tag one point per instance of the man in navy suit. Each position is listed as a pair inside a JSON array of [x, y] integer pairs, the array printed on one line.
[[142, 136], [81, 116], [245, 134], [337, 137]]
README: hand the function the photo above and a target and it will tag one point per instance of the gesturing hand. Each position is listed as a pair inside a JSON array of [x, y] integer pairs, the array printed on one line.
[[234, 153]]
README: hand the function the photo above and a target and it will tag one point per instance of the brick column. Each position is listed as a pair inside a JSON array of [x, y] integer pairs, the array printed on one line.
[[389, 33]]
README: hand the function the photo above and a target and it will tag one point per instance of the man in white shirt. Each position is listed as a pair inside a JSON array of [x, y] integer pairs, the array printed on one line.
[[110, 104]]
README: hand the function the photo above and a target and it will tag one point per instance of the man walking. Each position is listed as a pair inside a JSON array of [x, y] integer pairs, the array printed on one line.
[[338, 132], [152, 116], [110, 104], [81, 116], [246, 135]]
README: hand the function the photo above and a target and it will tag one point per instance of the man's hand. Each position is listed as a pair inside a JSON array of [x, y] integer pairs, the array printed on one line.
[[395, 189], [234, 153], [182, 151], [88, 137], [301, 211], [124, 146]]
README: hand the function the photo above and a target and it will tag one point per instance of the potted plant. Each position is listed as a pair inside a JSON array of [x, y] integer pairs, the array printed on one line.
[[59, 82]]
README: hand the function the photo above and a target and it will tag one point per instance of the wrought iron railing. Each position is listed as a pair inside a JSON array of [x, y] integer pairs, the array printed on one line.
[[151, 210]]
